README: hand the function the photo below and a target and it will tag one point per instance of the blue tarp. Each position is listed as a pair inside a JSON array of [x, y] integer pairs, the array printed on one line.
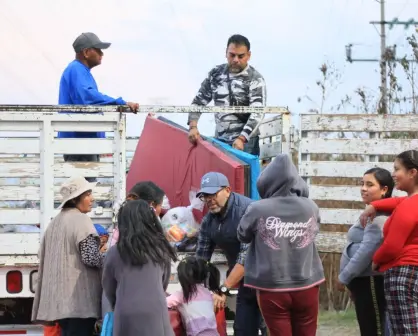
[[251, 160]]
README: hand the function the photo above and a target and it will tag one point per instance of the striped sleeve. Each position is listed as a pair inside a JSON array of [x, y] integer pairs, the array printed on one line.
[[257, 98]]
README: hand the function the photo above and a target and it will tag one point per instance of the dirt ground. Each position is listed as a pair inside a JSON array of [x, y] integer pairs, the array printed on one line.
[[337, 324], [337, 331]]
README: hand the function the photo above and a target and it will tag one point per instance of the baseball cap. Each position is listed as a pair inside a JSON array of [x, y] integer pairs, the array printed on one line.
[[211, 183], [89, 40]]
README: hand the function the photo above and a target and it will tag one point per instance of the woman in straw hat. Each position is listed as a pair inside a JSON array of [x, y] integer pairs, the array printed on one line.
[[68, 289]]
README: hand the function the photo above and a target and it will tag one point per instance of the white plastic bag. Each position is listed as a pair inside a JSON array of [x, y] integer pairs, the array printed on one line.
[[179, 222]]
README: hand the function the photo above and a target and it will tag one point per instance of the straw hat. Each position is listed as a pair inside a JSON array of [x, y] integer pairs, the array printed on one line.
[[73, 188]]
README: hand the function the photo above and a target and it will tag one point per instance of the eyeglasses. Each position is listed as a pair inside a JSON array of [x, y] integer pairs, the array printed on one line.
[[208, 197]]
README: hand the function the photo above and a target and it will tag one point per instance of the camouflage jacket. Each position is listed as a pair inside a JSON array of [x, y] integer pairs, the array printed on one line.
[[248, 89]]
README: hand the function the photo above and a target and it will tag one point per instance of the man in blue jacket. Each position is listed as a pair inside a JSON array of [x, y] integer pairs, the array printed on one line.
[[78, 87], [219, 228]]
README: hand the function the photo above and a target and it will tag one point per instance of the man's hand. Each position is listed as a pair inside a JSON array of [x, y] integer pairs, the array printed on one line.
[[194, 135], [239, 143], [219, 301], [133, 106], [375, 267], [368, 214]]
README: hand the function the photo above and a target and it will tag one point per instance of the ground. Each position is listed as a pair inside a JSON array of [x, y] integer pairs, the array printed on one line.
[[337, 324]]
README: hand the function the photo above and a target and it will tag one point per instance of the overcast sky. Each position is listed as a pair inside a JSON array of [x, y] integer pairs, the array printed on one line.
[[162, 50]]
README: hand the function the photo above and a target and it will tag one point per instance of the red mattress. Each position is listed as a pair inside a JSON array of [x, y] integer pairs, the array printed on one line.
[[165, 156]]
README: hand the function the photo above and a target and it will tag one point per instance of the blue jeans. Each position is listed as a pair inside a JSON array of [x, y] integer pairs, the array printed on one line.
[[248, 318]]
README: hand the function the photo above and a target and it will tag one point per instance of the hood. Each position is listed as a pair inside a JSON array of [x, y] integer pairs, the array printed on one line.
[[281, 178]]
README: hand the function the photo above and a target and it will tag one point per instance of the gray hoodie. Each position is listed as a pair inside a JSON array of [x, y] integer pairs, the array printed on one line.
[[356, 259], [282, 228]]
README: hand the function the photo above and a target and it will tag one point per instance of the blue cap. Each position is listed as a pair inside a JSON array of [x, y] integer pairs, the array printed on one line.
[[212, 182], [101, 231]]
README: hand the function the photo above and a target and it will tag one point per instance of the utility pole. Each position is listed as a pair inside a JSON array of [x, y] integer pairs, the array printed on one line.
[[383, 61], [386, 54]]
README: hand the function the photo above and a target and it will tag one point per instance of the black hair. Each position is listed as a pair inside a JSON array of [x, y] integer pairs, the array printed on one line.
[[193, 271], [239, 40], [72, 203], [409, 159], [147, 191], [384, 178], [141, 236]]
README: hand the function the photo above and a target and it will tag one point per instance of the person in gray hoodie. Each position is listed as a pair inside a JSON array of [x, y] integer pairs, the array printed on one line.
[[366, 287], [282, 261]]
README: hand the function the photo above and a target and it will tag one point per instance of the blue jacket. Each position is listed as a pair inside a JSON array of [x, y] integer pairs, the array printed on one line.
[[221, 231], [78, 87]]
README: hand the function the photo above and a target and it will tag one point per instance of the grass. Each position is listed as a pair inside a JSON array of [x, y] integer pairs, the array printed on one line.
[[338, 319]]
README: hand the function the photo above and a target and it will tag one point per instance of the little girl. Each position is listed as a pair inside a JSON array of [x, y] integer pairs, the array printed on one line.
[[197, 278]]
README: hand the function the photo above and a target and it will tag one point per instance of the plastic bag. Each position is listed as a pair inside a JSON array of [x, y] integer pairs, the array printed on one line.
[[179, 223], [107, 326], [52, 330]]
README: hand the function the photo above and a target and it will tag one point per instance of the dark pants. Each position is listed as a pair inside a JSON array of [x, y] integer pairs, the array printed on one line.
[[77, 326], [370, 304], [251, 147], [247, 316], [290, 313], [83, 158]]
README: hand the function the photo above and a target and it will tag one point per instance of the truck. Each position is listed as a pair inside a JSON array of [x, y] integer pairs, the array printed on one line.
[[32, 168]]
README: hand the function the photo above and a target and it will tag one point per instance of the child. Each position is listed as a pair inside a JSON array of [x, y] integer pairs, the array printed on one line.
[[197, 278]]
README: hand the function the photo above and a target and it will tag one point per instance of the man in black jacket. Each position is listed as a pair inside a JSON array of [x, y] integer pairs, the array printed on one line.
[[219, 228]]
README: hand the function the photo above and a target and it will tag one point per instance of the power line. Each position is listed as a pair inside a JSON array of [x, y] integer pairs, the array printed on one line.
[[387, 54]]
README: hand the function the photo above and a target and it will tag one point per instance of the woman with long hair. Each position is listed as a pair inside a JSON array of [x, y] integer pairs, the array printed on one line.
[[154, 196], [133, 273], [356, 273], [68, 288], [397, 257]]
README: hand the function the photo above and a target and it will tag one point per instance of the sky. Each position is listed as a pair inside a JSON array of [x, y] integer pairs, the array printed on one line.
[[162, 50]]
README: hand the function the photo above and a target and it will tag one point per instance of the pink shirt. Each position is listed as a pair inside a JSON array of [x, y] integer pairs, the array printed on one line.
[[198, 315]]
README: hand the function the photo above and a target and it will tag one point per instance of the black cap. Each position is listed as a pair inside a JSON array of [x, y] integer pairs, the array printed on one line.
[[89, 40]]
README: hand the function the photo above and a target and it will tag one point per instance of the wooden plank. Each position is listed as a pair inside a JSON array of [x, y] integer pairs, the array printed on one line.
[[339, 216], [357, 146], [23, 126], [270, 150], [86, 126], [82, 146], [331, 241], [340, 193], [19, 260], [32, 193], [19, 243], [339, 168], [59, 118], [93, 169], [19, 169], [32, 216], [359, 122], [16, 146], [271, 128], [131, 145]]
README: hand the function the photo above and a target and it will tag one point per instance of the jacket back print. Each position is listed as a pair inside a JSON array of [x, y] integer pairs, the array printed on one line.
[[281, 227]]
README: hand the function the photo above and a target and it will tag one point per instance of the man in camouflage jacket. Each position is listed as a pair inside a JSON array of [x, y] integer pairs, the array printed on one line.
[[235, 83]]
